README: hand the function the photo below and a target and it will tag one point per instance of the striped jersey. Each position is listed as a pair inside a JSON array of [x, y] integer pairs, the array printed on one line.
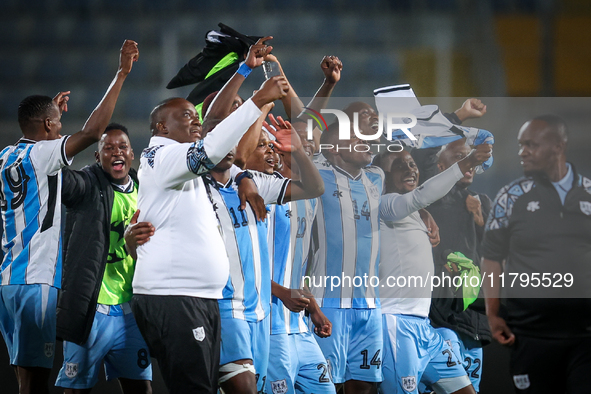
[[290, 230], [247, 294], [30, 195], [348, 238]]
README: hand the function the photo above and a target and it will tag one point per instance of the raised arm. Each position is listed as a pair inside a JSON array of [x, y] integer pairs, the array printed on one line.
[[331, 67], [182, 162], [394, 206], [221, 105], [311, 184], [472, 108], [250, 140], [219, 143], [99, 119], [291, 98]]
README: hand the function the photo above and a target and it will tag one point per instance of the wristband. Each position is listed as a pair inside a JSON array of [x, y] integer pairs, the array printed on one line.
[[244, 70], [242, 175]]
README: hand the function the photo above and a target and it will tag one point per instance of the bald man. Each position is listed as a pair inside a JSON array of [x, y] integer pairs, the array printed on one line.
[[540, 225]]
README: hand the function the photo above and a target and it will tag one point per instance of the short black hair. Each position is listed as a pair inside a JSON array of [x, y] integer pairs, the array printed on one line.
[[32, 107], [331, 134], [557, 123], [379, 160], [155, 114], [116, 126]]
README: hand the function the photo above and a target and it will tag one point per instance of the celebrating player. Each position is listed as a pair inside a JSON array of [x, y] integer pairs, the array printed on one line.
[[93, 315], [31, 199], [246, 305], [412, 348], [183, 270]]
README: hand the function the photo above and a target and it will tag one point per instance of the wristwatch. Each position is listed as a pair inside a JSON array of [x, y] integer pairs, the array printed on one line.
[[242, 175]]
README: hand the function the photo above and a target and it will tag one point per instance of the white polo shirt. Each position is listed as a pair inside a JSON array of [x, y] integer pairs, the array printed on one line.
[[186, 255]]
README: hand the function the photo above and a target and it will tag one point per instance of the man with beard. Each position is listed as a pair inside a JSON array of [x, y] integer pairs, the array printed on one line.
[[93, 315], [539, 225], [348, 245], [30, 190]]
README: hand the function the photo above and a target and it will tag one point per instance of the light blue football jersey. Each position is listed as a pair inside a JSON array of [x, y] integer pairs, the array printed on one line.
[[348, 238], [290, 235], [247, 294], [30, 196]]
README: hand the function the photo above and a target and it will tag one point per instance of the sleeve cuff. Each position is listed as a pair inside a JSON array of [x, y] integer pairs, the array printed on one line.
[[457, 172], [65, 159], [252, 106], [235, 171], [282, 192]]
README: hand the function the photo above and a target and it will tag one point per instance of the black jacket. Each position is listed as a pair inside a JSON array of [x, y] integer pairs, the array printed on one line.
[[88, 197], [458, 233], [537, 234]]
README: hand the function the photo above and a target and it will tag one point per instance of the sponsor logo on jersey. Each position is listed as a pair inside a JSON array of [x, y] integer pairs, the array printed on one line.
[[71, 370], [199, 333], [521, 381], [279, 386], [409, 383]]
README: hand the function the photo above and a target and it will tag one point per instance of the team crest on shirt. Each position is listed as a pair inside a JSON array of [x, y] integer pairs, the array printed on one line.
[[373, 191], [533, 206], [409, 383], [199, 333], [279, 386], [48, 349], [585, 207], [71, 370], [521, 381]]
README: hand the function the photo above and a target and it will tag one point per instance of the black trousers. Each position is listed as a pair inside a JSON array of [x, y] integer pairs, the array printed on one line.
[[183, 334], [542, 365]]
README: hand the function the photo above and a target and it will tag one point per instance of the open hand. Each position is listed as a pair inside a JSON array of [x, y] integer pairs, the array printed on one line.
[[285, 139], [61, 100]]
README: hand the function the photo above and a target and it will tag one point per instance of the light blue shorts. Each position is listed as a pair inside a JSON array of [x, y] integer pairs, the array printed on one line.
[[114, 338], [242, 340], [297, 365], [414, 351], [354, 350], [465, 350], [27, 322]]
